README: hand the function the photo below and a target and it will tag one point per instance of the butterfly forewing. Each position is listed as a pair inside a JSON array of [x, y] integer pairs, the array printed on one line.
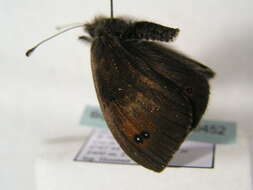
[[148, 115]]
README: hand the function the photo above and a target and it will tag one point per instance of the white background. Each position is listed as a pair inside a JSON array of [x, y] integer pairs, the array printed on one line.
[[43, 94]]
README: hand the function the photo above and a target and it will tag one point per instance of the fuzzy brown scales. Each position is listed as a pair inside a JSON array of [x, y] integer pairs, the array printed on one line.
[[129, 114]]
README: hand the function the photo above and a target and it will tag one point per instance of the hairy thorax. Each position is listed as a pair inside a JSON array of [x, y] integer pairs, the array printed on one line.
[[103, 26]]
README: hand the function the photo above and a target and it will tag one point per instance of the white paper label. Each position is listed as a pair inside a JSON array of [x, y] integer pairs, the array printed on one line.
[[102, 147]]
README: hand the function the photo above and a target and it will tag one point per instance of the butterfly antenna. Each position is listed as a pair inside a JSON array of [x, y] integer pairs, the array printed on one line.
[[30, 51], [111, 8], [62, 27]]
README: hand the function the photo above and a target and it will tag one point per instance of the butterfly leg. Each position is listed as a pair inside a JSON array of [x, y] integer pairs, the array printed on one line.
[[85, 38]]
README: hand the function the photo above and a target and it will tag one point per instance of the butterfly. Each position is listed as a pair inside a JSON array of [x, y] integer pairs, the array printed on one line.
[[151, 96]]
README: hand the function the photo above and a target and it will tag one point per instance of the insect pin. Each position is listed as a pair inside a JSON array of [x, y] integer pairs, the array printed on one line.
[[151, 96]]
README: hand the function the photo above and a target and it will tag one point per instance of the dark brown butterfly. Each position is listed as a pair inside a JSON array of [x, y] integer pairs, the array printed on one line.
[[151, 96]]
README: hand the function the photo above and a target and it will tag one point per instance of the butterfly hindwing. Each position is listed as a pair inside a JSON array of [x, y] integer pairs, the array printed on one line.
[[190, 76], [148, 115]]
